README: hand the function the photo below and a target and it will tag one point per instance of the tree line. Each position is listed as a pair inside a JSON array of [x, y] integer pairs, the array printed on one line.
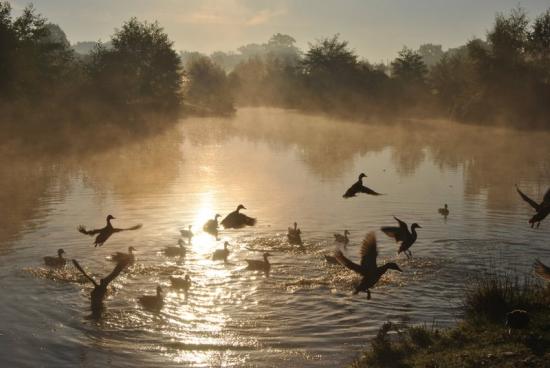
[[503, 77]]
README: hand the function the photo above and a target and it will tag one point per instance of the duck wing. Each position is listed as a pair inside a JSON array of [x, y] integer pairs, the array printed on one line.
[[353, 190], [82, 229], [533, 204], [367, 190], [394, 232], [542, 270], [237, 220], [369, 252], [344, 261], [546, 199], [135, 227]]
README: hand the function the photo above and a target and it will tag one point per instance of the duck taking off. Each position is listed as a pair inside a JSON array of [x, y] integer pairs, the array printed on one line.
[[368, 268], [257, 265], [403, 235], [176, 251], [152, 302], [542, 209], [211, 226], [237, 220], [294, 235], [98, 293], [127, 257], [221, 254], [187, 233], [342, 238], [542, 270], [444, 211], [358, 187], [56, 262], [105, 233]]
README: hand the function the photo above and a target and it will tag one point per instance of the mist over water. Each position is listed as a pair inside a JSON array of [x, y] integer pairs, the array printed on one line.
[[284, 166]]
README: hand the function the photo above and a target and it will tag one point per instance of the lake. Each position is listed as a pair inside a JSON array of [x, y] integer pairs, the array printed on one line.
[[284, 166]]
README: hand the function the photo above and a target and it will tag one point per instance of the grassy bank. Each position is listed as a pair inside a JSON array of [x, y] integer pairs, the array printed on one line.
[[481, 339]]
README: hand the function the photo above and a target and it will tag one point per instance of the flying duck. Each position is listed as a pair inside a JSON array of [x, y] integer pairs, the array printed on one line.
[[294, 235], [181, 283], [211, 226], [542, 270], [187, 233], [98, 293], [542, 209], [403, 235], [342, 238], [444, 211], [104, 233], [257, 265], [221, 254], [128, 257], [237, 220], [152, 302], [176, 251], [358, 187], [368, 268], [56, 262]]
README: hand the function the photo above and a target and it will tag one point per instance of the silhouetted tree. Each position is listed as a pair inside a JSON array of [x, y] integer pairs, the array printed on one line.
[[431, 54], [408, 67]]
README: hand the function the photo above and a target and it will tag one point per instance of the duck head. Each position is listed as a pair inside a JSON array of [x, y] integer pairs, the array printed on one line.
[[159, 290], [446, 206], [295, 225], [346, 232], [266, 254], [216, 217], [60, 251], [415, 225], [131, 249], [110, 217], [393, 266], [361, 176], [240, 207], [225, 245], [187, 278]]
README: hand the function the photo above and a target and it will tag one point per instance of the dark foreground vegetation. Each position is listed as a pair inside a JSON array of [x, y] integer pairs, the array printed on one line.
[[136, 80], [481, 339]]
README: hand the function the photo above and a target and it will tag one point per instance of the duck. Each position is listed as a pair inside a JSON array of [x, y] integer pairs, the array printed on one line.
[[358, 187], [294, 235], [129, 257], [97, 295], [181, 283], [542, 270], [444, 211], [403, 235], [104, 233], [542, 209], [237, 220], [339, 238], [368, 268], [152, 302], [211, 226], [221, 254], [258, 265], [176, 251], [187, 233], [56, 262]]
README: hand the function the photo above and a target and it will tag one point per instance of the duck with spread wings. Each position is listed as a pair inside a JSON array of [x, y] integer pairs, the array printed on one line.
[[358, 187], [104, 233], [402, 234], [542, 209]]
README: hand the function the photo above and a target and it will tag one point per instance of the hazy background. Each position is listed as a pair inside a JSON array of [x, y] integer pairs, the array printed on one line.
[[375, 29]]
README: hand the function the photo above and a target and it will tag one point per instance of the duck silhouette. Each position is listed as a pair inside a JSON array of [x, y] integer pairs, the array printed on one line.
[[444, 211], [237, 220], [221, 254], [127, 257], [258, 265], [358, 187], [56, 262], [542, 209], [181, 283], [294, 235], [152, 302], [105, 233], [211, 226], [176, 251], [187, 233], [403, 235], [342, 238], [367, 268]]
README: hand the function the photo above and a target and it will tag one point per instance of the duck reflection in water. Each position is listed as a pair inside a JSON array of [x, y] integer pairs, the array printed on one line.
[[97, 295]]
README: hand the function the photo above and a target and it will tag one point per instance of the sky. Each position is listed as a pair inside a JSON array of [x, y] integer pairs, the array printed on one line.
[[375, 29]]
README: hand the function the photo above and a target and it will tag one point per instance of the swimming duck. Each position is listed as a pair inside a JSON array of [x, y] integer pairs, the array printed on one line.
[[187, 233], [221, 254], [104, 233], [56, 262], [368, 268], [176, 251], [257, 265], [237, 220], [152, 302], [120, 256], [444, 211], [542, 270], [403, 235], [211, 226], [542, 209], [294, 235], [181, 283], [358, 187], [97, 295], [342, 238]]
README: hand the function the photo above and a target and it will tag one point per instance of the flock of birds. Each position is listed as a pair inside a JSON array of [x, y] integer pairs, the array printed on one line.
[[368, 268]]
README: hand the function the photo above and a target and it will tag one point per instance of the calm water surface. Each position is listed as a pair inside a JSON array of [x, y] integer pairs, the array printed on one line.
[[284, 167]]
